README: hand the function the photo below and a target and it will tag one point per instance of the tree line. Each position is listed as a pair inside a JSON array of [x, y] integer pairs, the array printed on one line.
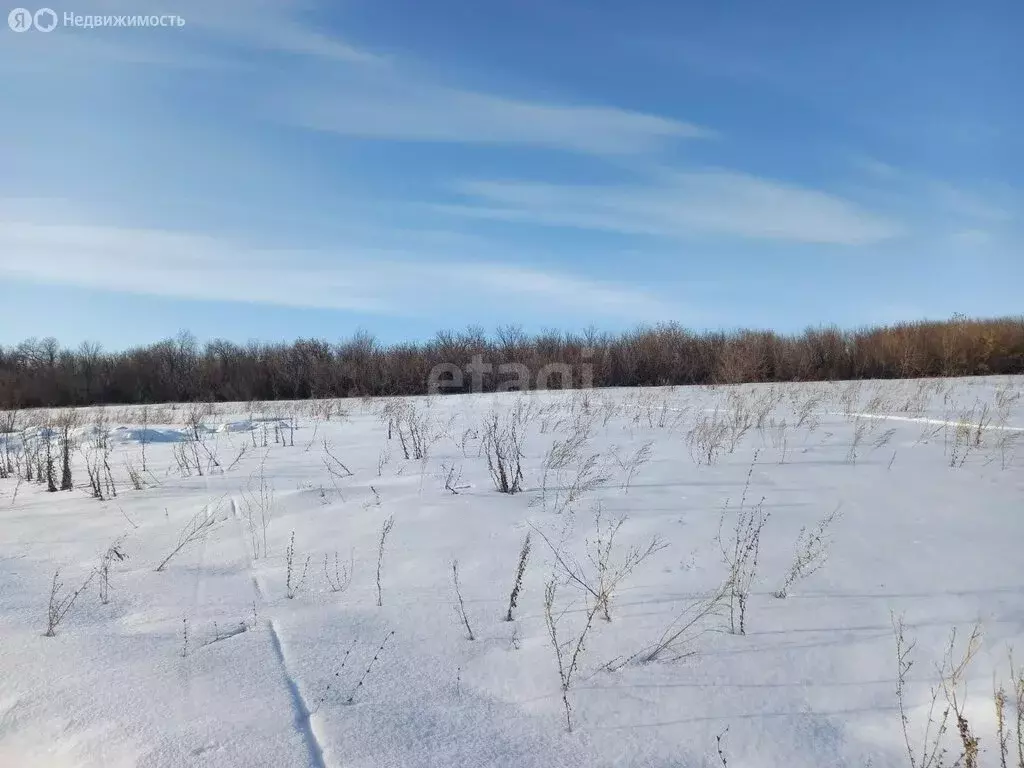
[[41, 373]]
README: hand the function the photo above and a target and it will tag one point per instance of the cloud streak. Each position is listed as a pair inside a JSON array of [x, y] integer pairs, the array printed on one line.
[[683, 205], [356, 279], [405, 109]]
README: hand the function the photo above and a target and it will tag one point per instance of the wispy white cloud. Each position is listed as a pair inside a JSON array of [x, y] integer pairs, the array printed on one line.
[[357, 93], [348, 90], [684, 205], [282, 26], [352, 278], [404, 108], [978, 201]]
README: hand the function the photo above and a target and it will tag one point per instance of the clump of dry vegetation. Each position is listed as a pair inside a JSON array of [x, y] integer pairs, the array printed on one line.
[[947, 709]]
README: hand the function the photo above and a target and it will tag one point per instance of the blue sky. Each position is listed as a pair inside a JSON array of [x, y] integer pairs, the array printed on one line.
[[278, 169]]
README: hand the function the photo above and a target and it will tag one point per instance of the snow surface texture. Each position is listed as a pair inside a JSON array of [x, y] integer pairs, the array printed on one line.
[[930, 524]]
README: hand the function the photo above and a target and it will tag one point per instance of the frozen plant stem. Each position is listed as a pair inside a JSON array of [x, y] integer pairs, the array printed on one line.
[[513, 599], [196, 529], [341, 577], [811, 553], [293, 584], [114, 552], [461, 603], [952, 673], [568, 653], [384, 531], [369, 666], [337, 675], [59, 606]]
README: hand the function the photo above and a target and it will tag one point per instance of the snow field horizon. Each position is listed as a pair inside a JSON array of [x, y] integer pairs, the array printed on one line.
[[696, 576]]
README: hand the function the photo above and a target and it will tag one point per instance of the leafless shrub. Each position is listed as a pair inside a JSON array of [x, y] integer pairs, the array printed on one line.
[[609, 409], [389, 415], [503, 444], [740, 553], [513, 600], [144, 415], [1005, 730], [376, 502], [677, 639], [195, 530], [740, 417], [850, 397], [414, 428], [606, 571], [983, 420], [294, 581], [259, 502], [1006, 444], [66, 422], [881, 401], [29, 455], [17, 487], [609, 572], [212, 461], [384, 531], [339, 577], [707, 438], [883, 440], [97, 467], [860, 428], [569, 473], [6, 458], [452, 477], [631, 464], [811, 552], [568, 653], [932, 750], [187, 457], [51, 478], [928, 433], [238, 458], [101, 429], [779, 440], [460, 604], [114, 552], [335, 466], [9, 422], [962, 443], [134, 476], [807, 411], [60, 605], [195, 416]]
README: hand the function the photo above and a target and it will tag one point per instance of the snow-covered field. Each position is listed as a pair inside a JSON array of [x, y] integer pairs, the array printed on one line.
[[221, 658]]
